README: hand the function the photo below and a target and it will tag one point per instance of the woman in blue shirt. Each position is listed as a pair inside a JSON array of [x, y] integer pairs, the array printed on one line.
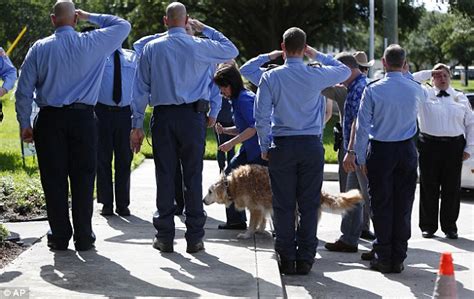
[[230, 83]]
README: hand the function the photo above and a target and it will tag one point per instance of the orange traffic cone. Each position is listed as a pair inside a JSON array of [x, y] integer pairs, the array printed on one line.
[[445, 286]]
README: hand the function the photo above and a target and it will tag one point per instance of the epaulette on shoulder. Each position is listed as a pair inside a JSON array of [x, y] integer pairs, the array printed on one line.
[[373, 82], [314, 64], [271, 66], [458, 90], [415, 81]]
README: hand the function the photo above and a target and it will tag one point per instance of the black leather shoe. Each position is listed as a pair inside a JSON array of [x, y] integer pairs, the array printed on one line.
[[123, 211], [236, 226], [451, 235], [196, 247], [368, 256], [397, 268], [381, 267], [287, 267], [340, 246], [107, 210], [57, 245], [303, 267], [83, 246], [427, 234], [162, 246], [367, 235]]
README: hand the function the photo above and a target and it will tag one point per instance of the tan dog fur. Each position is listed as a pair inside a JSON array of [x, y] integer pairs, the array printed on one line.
[[249, 187]]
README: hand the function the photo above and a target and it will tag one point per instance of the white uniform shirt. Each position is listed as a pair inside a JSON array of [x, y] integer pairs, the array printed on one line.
[[445, 116]]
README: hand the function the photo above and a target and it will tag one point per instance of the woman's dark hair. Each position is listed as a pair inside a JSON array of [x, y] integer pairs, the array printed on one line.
[[229, 75]]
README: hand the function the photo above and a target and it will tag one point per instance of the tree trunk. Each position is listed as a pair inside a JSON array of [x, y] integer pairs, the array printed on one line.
[[466, 74]]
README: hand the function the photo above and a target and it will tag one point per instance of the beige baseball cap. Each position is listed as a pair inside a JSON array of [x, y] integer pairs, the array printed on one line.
[[361, 59]]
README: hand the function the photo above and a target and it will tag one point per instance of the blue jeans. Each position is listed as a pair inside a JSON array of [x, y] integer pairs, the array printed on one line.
[[352, 221]]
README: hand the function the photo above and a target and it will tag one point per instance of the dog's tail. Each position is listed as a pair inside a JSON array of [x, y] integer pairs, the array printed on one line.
[[343, 201]]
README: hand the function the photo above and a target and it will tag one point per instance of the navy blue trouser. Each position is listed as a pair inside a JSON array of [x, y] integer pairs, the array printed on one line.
[[234, 216], [178, 187], [114, 127], [296, 171], [66, 144], [178, 132], [392, 182]]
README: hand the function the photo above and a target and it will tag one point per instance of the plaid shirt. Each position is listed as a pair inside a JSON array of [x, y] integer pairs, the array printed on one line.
[[351, 106]]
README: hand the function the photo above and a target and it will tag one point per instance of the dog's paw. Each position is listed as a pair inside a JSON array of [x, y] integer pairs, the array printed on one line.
[[246, 235]]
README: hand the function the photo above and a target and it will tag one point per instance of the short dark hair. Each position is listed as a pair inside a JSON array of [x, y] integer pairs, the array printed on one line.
[[348, 59], [229, 75], [294, 40], [394, 56]]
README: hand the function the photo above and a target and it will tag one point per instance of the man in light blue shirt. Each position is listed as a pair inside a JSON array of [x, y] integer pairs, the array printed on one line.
[[114, 126], [8, 75], [175, 70], [387, 121], [288, 105], [64, 70]]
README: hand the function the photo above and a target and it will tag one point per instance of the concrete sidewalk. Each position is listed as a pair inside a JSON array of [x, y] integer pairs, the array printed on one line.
[[124, 263]]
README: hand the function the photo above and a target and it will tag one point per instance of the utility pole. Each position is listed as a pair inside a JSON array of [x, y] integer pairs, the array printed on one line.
[[372, 35], [390, 22]]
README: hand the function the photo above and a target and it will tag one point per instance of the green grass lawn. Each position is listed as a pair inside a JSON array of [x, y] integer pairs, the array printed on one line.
[[458, 85]]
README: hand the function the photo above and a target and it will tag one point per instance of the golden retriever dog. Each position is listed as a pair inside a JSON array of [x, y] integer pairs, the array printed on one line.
[[248, 186]]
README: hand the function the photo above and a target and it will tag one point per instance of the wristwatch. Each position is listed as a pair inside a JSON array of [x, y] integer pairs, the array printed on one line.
[[351, 151]]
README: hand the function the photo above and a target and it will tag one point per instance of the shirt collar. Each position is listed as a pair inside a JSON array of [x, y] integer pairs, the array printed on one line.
[[174, 30], [394, 74], [360, 77], [294, 60], [64, 29]]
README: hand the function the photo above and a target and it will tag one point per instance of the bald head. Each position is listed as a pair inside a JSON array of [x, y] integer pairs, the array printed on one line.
[[176, 15], [64, 13]]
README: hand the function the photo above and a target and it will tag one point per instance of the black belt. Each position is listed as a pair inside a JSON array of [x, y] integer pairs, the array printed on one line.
[[112, 108], [73, 106], [296, 137], [442, 138]]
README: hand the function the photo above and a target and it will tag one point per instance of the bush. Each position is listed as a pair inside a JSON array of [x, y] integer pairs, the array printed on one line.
[[3, 233]]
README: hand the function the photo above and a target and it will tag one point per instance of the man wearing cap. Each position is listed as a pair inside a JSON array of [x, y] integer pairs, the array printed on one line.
[[173, 76], [64, 70], [351, 225], [114, 125], [289, 106], [387, 121], [446, 139], [8, 75]]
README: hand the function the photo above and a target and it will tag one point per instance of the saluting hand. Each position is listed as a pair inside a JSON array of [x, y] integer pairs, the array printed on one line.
[[197, 25], [27, 135], [136, 139], [310, 52], [82, 15], [275, 54]]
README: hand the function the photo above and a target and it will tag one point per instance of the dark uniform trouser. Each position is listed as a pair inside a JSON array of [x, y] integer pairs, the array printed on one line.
[[440, 174], [224, 158], [392, 183], [114, 125], [178, 132], [296, 172], [66, 144]]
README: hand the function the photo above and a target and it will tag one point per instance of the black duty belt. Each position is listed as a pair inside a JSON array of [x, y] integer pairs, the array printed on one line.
[[73, 106], [442, 138], [112, 108]]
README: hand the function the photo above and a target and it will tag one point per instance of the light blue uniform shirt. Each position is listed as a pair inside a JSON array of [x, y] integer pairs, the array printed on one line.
[[388, 112], [252, 70], [128, 62], [140, 44], [177, 68], [291, 93], [7, 72], [67, 67]]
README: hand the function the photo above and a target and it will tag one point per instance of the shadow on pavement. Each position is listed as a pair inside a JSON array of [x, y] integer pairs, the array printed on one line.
[[131, 228], [100, 276], [9, 276]]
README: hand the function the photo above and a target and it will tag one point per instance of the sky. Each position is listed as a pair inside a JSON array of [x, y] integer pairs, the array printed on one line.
[[437, 5]]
